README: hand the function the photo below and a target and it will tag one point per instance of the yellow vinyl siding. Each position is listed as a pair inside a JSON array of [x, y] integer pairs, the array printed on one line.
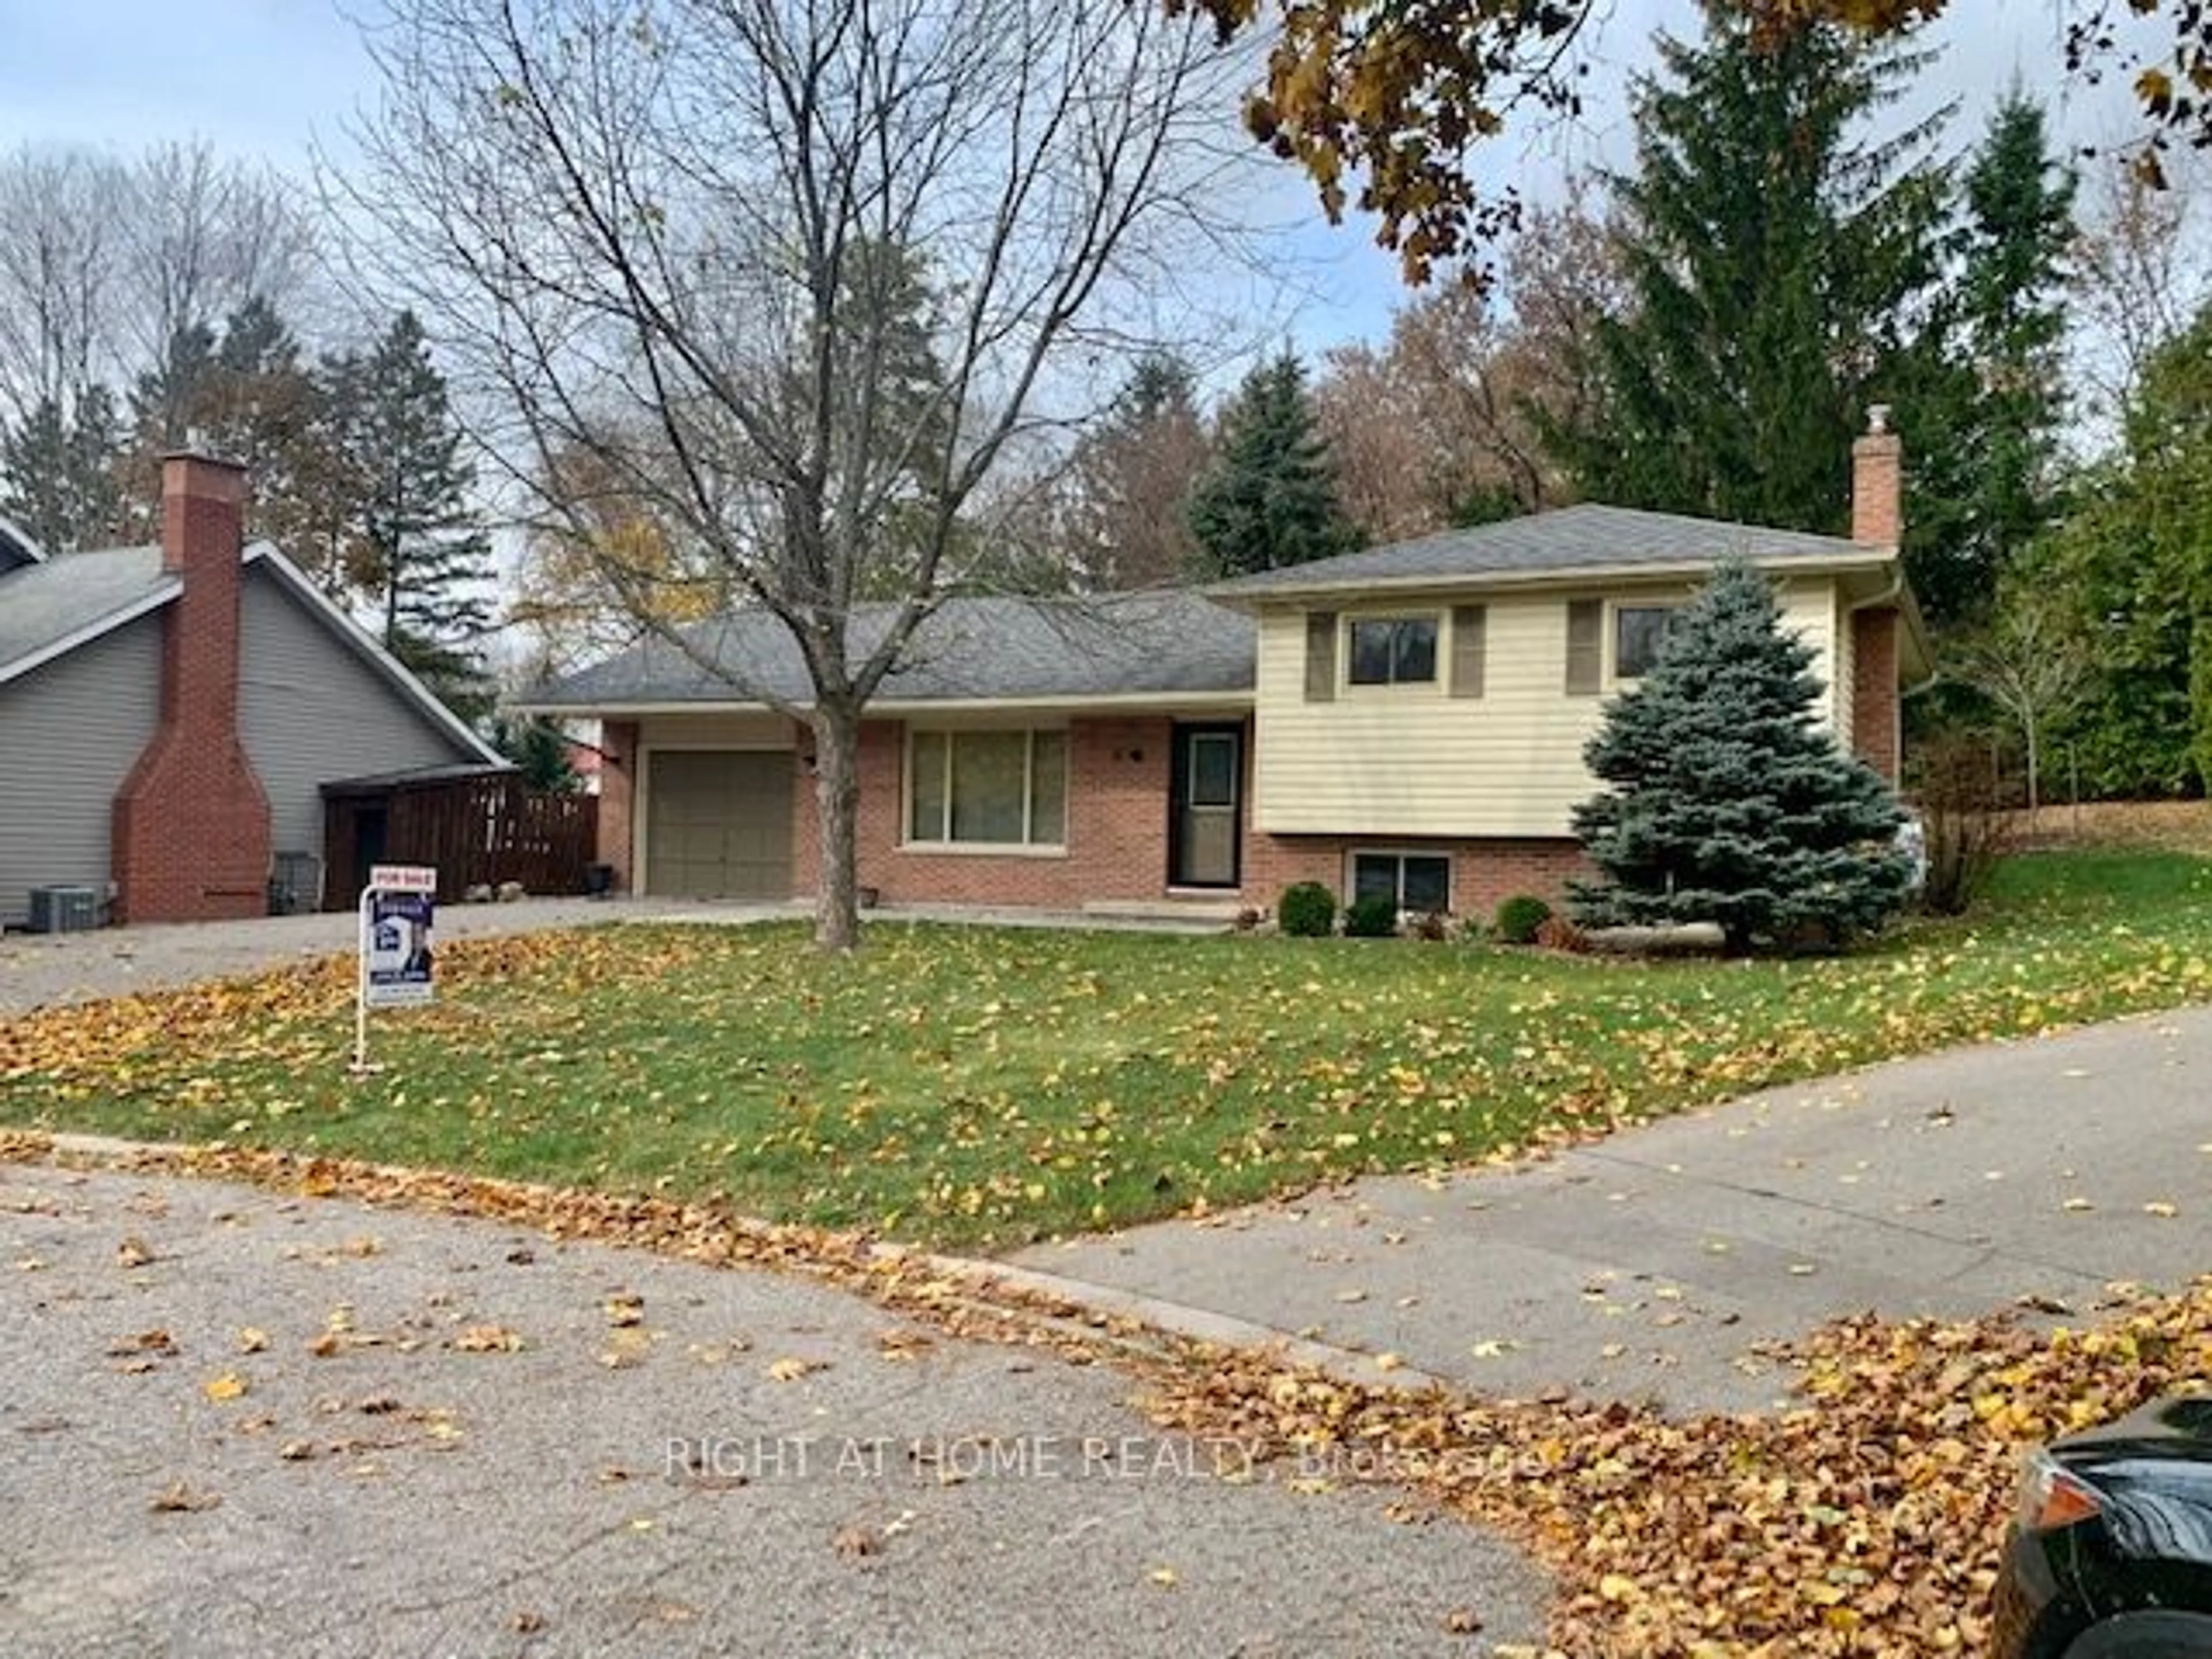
[[1413, 761], [1844, 693]]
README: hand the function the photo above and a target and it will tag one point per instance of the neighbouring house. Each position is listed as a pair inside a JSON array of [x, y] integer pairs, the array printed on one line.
[[170, 714], [1409, 720]]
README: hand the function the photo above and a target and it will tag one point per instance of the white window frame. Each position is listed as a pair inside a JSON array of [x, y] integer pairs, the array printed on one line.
[[1437, 618], [1401, 853], [1025, 848]]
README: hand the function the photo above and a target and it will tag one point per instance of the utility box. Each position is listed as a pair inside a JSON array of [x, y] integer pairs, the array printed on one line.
[[63, 909]]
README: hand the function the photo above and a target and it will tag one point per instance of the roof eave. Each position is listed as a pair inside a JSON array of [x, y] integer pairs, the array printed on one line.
[[640, 709], [1814, 564], [145, 605]]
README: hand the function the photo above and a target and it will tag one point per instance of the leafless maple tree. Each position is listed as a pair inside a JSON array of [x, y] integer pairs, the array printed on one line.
[[652, 234]]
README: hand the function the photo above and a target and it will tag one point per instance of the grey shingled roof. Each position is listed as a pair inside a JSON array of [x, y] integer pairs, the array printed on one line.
[[1559, 543], [997, 649], [43, 604]]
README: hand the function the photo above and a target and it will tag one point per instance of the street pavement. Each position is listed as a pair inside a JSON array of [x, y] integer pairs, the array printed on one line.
[[1662, 1263], [233, 1423]]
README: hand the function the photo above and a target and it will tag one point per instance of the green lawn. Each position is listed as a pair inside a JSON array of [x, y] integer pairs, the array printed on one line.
[[984, 1087]]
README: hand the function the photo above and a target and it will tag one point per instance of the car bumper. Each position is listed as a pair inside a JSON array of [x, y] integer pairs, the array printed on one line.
[[2031, 1616]]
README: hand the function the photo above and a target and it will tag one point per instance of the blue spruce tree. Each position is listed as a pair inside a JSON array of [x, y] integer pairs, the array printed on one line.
[[1726, 801]]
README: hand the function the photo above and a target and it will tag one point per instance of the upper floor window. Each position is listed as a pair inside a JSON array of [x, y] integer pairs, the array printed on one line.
[[1638, 631], [1394, 651]]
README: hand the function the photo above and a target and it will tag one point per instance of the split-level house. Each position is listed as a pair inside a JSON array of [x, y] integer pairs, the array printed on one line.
[[1408, 720]]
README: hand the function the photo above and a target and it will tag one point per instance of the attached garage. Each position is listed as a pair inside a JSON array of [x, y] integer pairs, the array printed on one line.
[[718, 823]]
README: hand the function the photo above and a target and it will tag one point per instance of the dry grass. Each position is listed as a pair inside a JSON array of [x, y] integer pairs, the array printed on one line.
[[2170, 826]]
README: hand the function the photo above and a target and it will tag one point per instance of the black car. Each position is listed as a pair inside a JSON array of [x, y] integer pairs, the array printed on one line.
[[2110, 1556]]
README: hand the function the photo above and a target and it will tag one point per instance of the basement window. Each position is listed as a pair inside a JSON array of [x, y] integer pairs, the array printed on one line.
[[1419, 882]]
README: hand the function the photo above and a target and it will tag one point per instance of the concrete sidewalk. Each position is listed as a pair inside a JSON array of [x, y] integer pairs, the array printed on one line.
[[1654, 1263]]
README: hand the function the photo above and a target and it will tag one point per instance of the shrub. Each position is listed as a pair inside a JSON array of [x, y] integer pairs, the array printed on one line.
[[1519, 916], [1375, 917], [1307, 910], [1965, 826]]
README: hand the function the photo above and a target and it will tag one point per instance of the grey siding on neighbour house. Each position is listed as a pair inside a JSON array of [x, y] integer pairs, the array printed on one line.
[[69, 733], [312, 711]]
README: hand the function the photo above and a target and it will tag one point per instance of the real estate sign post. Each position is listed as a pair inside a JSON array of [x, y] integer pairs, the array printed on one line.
[[395, 966]]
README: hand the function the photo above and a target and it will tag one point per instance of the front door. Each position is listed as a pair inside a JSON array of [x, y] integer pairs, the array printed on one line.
[[1205, 819]]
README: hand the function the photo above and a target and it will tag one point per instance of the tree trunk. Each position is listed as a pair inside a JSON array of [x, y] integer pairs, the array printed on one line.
[[836, 730], [2035, 777]]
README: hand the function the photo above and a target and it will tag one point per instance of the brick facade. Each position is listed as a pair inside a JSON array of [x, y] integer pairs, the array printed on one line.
[[1117, 827], [1877, 730], [190, 838], [1485, 869], [1117, 843], [618, 754]]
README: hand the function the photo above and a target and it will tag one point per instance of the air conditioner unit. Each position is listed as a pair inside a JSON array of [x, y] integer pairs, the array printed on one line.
[[63, 909]]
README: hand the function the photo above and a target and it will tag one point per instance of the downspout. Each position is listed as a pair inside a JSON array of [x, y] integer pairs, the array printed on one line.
[[1890, 595]]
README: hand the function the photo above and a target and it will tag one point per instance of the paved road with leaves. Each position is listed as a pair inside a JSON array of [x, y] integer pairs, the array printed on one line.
[[238, 1422]]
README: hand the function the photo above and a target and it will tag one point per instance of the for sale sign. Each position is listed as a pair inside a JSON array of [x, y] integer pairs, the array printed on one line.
[[398, 953], [396, 967]]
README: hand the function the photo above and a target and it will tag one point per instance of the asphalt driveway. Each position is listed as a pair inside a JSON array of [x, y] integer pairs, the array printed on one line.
[[235, 1423], [39, 968], [1661, 1262]]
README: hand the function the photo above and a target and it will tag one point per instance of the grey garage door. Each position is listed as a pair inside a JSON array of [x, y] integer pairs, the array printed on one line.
[[718, 824]]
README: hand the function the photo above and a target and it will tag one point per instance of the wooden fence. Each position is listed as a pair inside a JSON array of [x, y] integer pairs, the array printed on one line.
[[476, 831]]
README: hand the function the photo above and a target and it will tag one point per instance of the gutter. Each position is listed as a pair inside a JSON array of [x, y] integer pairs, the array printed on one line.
[[1910, 612]]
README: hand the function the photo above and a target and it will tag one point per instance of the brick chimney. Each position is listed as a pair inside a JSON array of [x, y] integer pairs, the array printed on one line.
[[191, 837], [1877, 518], [1878, 483]]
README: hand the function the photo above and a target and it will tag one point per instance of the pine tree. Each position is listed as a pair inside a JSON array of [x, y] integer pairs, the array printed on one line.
[[422, 551], [2012, 292], [539, 749], [242, 393], [58, 473], [1726, 801], [1269, 499], [1778, 264], [2136, 556]]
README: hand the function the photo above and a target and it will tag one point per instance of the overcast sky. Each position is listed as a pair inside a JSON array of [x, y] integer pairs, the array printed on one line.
[[266, 77]]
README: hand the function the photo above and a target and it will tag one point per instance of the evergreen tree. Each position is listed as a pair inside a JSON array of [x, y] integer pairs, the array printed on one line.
[[58, 473], [1268, 500], [2019, 225], [1778, 263], [244, 394], [423, 552], [1726, 800], [539, 749], [2137, 556]]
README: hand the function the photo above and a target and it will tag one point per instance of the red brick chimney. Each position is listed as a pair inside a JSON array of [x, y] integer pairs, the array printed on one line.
[[1878, 483], [190, 837], [1877, 518]]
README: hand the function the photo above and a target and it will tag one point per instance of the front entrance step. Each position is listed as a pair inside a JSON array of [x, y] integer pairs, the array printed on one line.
[[1222, 910]]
